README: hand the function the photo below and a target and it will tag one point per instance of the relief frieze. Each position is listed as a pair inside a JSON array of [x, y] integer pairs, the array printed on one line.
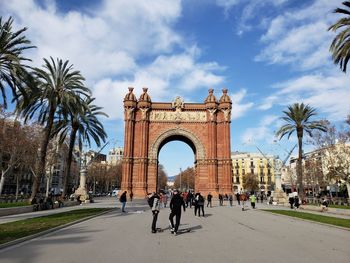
[[178, 115]]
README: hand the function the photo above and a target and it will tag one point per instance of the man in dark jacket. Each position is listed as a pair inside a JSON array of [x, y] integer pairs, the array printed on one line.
[[122, 199], [175, 205]]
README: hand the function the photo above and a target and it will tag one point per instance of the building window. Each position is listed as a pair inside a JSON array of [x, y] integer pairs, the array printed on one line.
[[237, 179], [269, 180], [261, 179], [252, 171], [268, 171], [243, 171]]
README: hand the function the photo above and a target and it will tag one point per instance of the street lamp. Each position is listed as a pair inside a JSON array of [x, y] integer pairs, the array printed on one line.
[[180, 179]]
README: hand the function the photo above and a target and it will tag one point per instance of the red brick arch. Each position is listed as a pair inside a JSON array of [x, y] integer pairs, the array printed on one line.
[[205, 127]]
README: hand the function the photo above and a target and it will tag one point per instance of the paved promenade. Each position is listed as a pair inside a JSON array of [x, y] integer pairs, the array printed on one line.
[[226, 234]]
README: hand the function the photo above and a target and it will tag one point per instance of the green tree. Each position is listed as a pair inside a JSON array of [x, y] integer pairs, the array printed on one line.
[[12, 69], [297, 119], [58, 87], [340, 46], [81, 123]]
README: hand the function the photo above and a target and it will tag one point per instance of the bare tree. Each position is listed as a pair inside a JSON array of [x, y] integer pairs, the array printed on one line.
[[187, 179], [250, 182], [162, 177], [334, 147], [314, 177], [12, 139], [114, 175]]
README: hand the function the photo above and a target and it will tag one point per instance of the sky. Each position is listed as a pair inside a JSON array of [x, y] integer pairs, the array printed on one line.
[[268, 53]]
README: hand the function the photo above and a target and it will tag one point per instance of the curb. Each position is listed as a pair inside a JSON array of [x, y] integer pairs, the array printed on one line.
[[306, 220], [48, 231]]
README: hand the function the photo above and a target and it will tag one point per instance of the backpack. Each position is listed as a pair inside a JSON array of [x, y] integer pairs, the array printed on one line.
[[201, 200], [150, 201]]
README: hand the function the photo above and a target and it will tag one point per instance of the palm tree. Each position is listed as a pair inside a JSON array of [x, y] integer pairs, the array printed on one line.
[[58, 87], [81, 124], [12, 71], [297, 119], [340, 46]]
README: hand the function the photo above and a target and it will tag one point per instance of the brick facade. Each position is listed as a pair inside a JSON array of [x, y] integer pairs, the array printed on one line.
[[205, 127]]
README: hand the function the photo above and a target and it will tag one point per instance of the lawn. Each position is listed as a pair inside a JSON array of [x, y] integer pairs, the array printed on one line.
[[314, 217], [340, 206], [14, 204], [334, 206], [18, 229]]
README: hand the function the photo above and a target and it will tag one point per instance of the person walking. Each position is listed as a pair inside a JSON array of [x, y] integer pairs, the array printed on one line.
[[200, 204], [190, 198], [165, 199], [196, 203], [252, 198], [238, 197], [243, 198], [131, 197], [122, 199], [296, 202], [291, 201], [155, 211], [209, 197], [230, 198], [175, 205], [221, 199]]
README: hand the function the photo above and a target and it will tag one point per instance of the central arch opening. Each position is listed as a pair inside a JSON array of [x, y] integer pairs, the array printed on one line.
[[177, 157]]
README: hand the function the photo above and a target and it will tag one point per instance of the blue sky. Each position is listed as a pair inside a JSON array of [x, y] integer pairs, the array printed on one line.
[[268, 53]]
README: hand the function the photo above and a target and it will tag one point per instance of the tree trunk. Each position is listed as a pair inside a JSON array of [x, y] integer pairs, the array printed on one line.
[[42, 154], [300, 164], [48, 181], [69, 161], [17, 186], [348, 188], [2, 180]]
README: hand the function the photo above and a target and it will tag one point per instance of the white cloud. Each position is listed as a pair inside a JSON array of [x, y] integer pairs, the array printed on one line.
[[268, 102], [117, 45], [239, 108], [328, 92], [251, 9], [105, 41], [261, 132], [300, 37]]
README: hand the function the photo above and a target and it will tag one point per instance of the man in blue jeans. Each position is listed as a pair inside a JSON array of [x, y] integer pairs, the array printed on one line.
[[122, 199]]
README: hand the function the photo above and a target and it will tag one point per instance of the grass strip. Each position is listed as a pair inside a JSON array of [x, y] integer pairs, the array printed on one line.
[[333, 206], [18, 229], [14, 204], [340, 206], [314, 217]]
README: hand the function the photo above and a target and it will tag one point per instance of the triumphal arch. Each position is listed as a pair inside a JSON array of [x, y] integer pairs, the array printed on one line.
[[205, 127]]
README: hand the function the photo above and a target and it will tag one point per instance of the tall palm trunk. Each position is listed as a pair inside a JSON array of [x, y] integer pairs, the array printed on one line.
[[300, 163], [42, 154], [69, 159]]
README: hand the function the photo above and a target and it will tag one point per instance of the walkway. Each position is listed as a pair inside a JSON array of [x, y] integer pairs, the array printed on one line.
[[226, 234]]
